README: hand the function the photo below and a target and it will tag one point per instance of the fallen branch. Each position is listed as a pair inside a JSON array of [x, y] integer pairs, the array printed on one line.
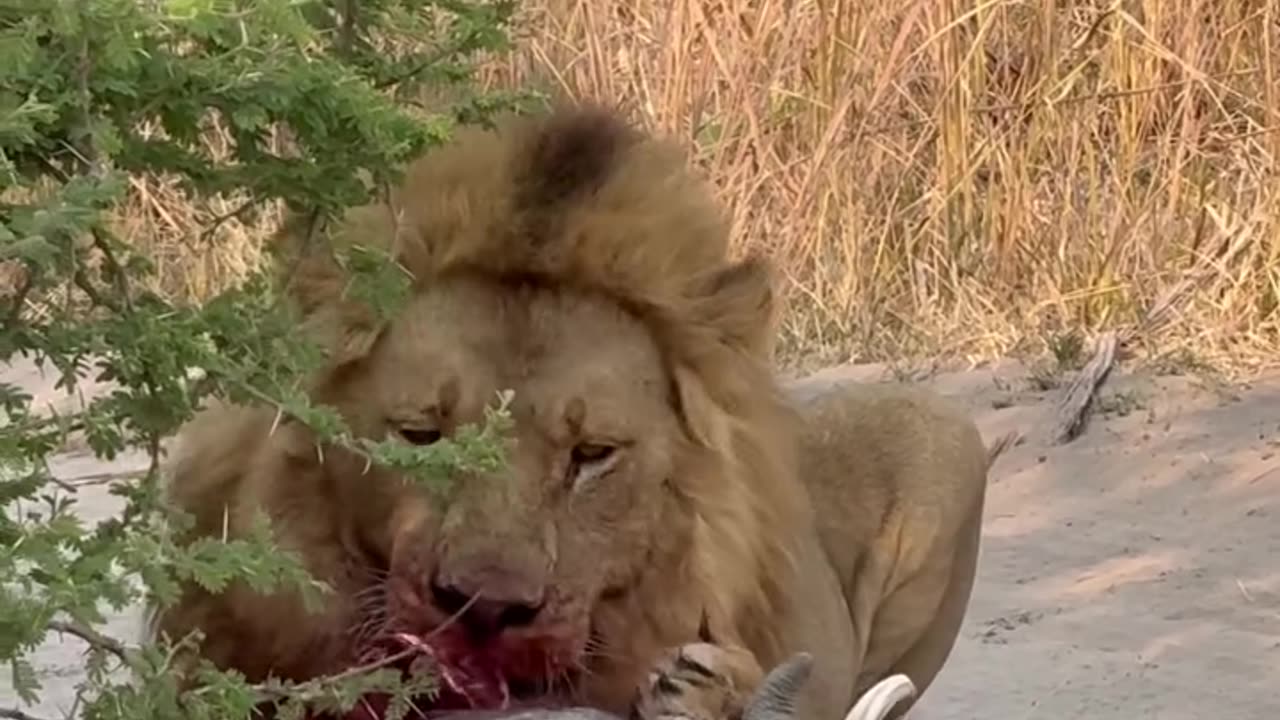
[[1073, 408]]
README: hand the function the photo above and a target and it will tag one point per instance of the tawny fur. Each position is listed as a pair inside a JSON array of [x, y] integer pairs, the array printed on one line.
[[583, 265]]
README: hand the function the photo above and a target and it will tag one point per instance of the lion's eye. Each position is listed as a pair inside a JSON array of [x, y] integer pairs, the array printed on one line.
[[590, 453], [591, 461], [420, 436]]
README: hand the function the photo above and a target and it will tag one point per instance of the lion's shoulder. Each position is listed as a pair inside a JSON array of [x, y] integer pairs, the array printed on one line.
[[212, 459]]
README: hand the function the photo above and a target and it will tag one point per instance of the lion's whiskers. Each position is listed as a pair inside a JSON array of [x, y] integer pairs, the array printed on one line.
[[563, 680], [603, 655], [372, 615], [597, 648], [370, 628], [375, 589]]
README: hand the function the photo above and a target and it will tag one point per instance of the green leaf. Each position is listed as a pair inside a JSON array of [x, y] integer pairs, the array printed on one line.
[[23, 678]]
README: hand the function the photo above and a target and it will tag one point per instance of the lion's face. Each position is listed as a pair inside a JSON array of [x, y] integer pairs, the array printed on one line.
[[516, 566], [650, 483]]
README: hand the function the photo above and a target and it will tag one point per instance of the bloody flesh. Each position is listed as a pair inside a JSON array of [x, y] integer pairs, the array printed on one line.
[[464, 680]]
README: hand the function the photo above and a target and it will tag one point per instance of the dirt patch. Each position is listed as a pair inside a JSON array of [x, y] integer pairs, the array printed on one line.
[[1122, 571]]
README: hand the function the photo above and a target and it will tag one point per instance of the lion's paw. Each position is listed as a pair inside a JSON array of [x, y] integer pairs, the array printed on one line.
[[699, 681]]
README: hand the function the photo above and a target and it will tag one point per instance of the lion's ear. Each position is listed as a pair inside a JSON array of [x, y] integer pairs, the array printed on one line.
[[738, 302], [730, 327], [316, 283]]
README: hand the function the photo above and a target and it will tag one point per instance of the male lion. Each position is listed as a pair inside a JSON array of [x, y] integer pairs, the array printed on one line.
[[670, 522]]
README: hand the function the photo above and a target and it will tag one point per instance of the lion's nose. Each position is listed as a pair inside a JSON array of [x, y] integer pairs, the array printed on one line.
[[486, 608]]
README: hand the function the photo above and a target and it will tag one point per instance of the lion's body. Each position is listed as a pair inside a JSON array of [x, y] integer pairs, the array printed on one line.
[[659, 491], [911, 469], [896, 476]]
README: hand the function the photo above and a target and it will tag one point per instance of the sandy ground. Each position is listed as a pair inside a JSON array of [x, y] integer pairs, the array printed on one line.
[[1133, 573]]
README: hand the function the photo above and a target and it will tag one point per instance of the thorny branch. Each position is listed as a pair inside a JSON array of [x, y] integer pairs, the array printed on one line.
[[118, 277], [82, 281], [220, 220], [84, 152], [304, 689], [311, 688], [264, 693], [347, 26], [434, 59], [20, 297], [16, 714], [94, 638]]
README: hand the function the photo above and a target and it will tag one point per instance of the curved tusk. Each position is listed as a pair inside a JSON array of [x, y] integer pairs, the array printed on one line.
[[876, 702]]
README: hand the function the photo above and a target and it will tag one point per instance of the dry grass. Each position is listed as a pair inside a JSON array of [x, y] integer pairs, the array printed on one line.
[[198, 248], [943, 177]]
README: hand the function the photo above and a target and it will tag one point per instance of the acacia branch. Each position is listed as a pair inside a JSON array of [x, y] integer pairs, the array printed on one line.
[[94, 638], [118, 277], [82, 281], [16, 714], [310, 688], [348, 22], [314, 688], [434, 59], [218, 221], [20, 297], [83, 145]]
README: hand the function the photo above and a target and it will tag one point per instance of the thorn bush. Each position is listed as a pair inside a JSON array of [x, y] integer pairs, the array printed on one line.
[[93, 92]]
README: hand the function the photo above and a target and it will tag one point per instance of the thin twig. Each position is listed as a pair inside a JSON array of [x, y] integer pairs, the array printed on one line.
[[94, 638], [83, 134], [217, 222], [302, 689], [20, 297], [82, 281], [435, 58], [314, 222], [66, 486], [16, 714], [39, 424], [104, 477], [118, 277]]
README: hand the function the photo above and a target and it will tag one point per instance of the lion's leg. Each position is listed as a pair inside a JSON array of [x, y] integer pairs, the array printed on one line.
[[924, 660], [915, 627], [699, 681]]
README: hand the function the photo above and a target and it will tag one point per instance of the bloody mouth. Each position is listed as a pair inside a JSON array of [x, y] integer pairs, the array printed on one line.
[[464, 678], [468, 670]]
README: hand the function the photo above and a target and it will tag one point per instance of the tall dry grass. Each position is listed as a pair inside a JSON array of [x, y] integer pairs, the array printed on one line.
[[947, 177]]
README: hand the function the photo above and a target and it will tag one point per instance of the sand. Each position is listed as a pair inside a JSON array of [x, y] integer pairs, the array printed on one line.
[[1132, 573]]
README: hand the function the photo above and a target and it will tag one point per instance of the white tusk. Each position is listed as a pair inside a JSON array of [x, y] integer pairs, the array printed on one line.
[[876, 703]]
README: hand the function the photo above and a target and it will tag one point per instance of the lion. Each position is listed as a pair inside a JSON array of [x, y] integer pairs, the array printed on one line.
[[672, 519]]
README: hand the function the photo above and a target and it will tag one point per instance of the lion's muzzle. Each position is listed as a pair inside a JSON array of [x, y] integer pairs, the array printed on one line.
[[486, 598]]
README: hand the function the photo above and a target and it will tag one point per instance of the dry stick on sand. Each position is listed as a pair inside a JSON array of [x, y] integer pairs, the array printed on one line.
[[1073, 408]]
